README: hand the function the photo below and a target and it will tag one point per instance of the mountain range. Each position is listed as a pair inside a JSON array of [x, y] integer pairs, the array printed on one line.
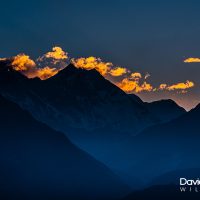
[[40, 163], [167, 147], [136, 141], [165, 110], [84, 99]]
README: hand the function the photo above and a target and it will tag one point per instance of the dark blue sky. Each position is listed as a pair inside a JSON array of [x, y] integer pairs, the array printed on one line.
[[145, 36]]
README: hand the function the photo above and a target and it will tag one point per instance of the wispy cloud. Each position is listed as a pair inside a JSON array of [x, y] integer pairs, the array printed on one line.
[[177, 86]]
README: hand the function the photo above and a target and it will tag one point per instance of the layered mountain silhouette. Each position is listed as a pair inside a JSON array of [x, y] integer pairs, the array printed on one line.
[[81, 99], [40, 163], [186, 125], [165, 110], [168, 147], [95, 114], [173, 151], [138, 141]]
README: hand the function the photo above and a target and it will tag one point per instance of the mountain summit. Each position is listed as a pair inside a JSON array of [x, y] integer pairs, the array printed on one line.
[[165, 110], [79, 99]]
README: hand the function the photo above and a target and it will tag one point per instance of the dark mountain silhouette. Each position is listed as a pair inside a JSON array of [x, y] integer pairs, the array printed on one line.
[[90, 102], [76, 98], [167, 147], [186, 125], [40, 163], [20, 89], [165, 110], [96, 115], [136, 99], [109, 124]]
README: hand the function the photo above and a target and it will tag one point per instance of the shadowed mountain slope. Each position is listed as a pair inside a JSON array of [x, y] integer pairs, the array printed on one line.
[[38, 162]]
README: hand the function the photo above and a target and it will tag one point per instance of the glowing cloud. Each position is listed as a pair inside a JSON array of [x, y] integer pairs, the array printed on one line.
[[134, 84], [45, 66], [178, 86], [127, 85], [118, 71], [162, 86], [136, 75], [26, 66], [57, 58], [45, 73], [130, 85], [146, 87], [23, 63], [104, 68], [57, 53], [192, 60], [93, 63], [181, 86]]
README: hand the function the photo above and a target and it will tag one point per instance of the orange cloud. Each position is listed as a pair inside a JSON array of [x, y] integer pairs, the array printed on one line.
[[22, 63], [192, 60], [162, 86], [130, 85], [146, 87], [57, 53], [136, 75], [46, 66], [93, 63], [135, 85], [28, 67], [127, 85], [178, 86], [104, 68], [57, 58], [46, 72], [181, 86], [118, 71]]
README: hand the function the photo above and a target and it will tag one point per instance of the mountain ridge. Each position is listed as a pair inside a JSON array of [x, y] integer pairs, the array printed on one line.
[[38, 162]]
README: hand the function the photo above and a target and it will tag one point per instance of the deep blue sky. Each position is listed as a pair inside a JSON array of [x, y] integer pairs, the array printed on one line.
[[145, 36]]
